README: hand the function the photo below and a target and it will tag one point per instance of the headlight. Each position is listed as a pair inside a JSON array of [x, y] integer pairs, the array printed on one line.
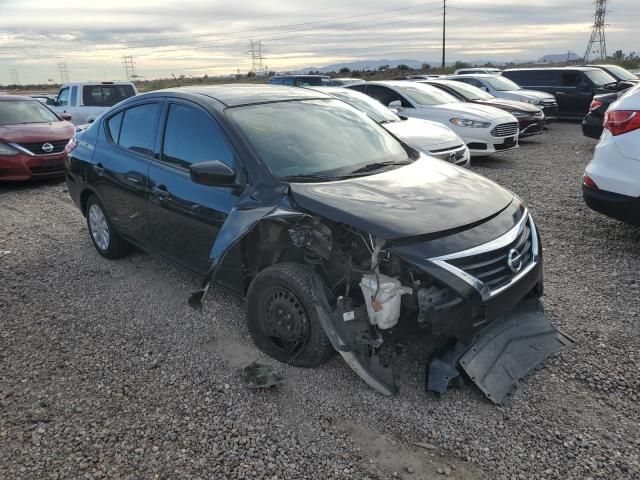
[[520, 114], [465, 122], [6, 150], [532, 101]]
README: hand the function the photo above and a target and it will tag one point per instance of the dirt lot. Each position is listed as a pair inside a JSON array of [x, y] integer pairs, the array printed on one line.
[[105, 372]]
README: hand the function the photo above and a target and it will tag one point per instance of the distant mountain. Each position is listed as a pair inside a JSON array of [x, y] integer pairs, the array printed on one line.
[[366, 65], [559, 58]]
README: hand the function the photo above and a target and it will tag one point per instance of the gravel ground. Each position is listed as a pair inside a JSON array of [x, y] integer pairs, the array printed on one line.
[[105, 372]]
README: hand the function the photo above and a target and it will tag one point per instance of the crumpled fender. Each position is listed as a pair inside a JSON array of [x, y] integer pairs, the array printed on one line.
[[241, 221]]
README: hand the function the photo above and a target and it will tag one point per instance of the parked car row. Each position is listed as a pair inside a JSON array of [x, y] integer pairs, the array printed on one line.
[[333, 229]]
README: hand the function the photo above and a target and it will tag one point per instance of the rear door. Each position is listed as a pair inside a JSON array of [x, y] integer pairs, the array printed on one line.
[[574, 93], [185, 217], [121, 163]]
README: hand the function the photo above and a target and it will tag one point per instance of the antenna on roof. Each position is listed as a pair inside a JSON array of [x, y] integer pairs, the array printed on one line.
[[174, 77]]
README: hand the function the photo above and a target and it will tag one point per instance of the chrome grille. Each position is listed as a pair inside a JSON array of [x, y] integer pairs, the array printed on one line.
[[451, 154], [505, 130], [36, 147], [492, 268]]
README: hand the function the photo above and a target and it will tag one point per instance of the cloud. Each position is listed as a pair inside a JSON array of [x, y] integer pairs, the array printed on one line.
[[208, 36]]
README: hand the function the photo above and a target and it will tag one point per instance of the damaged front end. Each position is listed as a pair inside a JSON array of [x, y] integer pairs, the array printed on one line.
[[481, 303]]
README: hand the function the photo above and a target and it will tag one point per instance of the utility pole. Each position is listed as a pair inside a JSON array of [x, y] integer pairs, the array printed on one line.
[[444, 30], [255, 51], [64, 72], [129, 69], [597, 46], [14, 76]]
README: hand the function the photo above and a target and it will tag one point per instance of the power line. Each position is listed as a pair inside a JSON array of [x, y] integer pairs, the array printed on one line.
[[597, 45]]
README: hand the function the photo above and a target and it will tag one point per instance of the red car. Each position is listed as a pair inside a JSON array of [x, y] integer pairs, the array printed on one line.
[[33, 139]]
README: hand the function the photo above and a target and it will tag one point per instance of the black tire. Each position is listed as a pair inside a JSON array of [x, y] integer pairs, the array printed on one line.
[[116, 247], [281, 290]]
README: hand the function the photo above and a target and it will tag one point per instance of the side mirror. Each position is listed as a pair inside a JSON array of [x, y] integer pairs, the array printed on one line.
[[484, 88], [213, 173], [583, 87], [51, 101], [65, 116], [396, 104]]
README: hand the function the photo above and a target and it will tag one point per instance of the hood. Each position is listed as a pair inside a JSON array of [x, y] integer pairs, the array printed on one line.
[[36, 132], [532, 95], [427, 197], [423, 134], [510, 105], [473, 111]]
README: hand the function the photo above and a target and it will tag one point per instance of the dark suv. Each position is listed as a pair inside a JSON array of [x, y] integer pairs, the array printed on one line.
[[301, 80], [573, 87]]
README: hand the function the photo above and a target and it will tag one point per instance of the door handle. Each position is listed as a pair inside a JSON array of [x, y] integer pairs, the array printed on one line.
[[560, 93], [99, 169], [160, 192]]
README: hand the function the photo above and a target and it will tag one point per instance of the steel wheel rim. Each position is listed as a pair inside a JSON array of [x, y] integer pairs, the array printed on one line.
[[286, 324], [99, 227]]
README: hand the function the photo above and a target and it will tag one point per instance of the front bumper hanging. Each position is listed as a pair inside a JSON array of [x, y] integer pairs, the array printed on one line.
[[502, 356]]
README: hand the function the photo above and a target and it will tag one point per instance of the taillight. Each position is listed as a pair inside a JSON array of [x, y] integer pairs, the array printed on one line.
[[622, 121], [588, 182], [595, 104]]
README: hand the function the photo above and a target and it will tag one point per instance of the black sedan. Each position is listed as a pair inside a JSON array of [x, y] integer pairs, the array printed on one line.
[[593, 122], [531, 119], [332, 229]]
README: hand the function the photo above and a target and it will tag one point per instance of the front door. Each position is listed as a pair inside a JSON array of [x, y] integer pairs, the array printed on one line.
[[574, 94], [184, 217], [121, 163]]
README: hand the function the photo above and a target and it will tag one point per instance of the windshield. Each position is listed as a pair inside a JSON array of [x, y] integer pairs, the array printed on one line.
[[25, 111], [368, 105], [469, 91], [620, 72], [427, 95], [313, 82], [315, 138], [501, 84], [105, 95], [600, 77]]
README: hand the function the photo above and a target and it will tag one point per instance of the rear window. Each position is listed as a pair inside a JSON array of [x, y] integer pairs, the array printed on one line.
[[105, 95]]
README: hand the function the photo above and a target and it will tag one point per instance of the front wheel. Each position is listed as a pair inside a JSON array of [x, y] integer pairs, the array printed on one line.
[[105, 238], [282, 318]]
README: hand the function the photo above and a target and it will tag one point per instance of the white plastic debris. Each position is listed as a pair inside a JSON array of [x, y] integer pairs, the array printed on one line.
[[383, 300]]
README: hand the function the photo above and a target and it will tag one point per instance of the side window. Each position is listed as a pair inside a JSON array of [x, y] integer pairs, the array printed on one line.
[[359, 88], [192, 136], [63, 97], [275, 81], [137, 132], [385, 96], [113, 126], [74, 96], [570, 79], [288, 82]]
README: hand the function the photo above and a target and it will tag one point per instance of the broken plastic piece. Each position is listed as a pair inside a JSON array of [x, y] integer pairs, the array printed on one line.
[[382, 298], [512, 349], [257, 375], [443, 369]]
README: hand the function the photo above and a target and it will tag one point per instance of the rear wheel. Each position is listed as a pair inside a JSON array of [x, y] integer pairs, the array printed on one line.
[[282, 318], [105, 238]]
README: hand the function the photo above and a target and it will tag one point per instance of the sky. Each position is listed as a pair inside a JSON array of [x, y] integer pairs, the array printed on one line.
[[197, 37]]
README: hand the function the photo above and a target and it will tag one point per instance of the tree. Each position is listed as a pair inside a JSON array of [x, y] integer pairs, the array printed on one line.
[[383, 68], [460, 64], [402, 66], [344, 70], [426, 66]]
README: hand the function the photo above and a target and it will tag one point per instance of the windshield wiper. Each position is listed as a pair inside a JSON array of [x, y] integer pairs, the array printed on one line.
[[307, 178], [375, 166]]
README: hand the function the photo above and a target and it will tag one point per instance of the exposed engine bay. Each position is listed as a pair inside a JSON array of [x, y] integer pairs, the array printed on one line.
[[362, 290]]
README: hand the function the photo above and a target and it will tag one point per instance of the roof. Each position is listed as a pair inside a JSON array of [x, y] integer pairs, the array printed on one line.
[[234, 95], [4, 98], [298, 75], [568, 67], [472, 75]]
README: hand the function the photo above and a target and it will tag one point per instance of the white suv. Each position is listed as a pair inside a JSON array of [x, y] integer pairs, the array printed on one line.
[[611, 183]]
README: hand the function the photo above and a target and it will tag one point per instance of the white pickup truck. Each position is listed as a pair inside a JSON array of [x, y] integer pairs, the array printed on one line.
[[87, 100]]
